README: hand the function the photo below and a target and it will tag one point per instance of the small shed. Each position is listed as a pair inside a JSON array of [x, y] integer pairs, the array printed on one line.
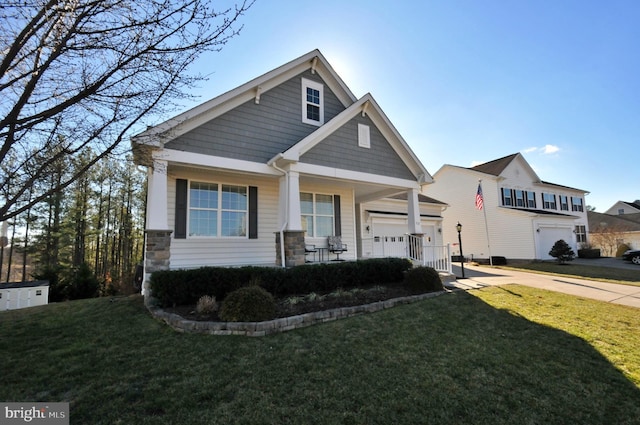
[[23, 294]]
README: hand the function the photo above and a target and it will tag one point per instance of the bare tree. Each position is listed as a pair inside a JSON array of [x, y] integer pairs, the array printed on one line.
[[76, 76]]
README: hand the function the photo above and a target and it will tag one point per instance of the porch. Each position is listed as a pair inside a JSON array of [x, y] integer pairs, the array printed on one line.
[[415, 247]]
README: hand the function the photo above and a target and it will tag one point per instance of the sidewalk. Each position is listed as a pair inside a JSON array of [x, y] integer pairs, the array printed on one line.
[[479, 277]]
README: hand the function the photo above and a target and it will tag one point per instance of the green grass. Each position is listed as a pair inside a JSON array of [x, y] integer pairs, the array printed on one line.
[[607, 274], [503, 355]]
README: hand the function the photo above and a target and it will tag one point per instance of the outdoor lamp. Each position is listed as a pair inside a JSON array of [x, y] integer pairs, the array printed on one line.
[[459, 229]]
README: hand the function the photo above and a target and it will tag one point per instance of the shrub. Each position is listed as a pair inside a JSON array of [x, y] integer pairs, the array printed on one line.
[[422, 279], [185, 287], [621, 249], [248, 304], [82, 283], [562, 252], [589, 253], [206, 305]]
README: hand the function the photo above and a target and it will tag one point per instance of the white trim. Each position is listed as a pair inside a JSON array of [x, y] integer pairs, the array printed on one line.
[[308, 84], [364, 136], [356, 176], [157, 217], [202, 160]]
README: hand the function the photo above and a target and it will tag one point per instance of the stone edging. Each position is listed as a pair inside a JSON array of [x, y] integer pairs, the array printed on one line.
[[283, 324]]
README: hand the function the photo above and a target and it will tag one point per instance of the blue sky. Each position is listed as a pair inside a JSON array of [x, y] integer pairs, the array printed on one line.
[[466, 82]]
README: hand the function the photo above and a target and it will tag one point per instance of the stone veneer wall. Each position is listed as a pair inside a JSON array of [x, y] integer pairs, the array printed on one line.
[[293, 248], [157, 254]]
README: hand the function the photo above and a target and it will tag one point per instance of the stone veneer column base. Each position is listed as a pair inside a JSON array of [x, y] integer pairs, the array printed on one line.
[[293, 248], [157, 255]]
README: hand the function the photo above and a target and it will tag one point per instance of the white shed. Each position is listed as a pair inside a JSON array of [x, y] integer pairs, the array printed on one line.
[[23, 294]]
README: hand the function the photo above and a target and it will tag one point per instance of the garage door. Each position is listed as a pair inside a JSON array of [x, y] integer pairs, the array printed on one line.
[[548, 237]]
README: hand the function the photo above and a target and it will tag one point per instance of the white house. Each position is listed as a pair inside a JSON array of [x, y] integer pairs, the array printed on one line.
[[23, 294], [608, 231], [525, 215], [290, 156]]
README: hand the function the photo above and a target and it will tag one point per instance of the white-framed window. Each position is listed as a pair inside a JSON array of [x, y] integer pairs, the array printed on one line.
[[364, 136], [531, 199], [549, 201], [312, 102], [576, 204], [217, 210], [519, 202], [317, 214], [507, 198], [564, 203], [581, 234]]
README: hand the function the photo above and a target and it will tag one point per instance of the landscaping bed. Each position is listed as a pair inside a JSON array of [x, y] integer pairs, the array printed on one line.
[[309, 303]]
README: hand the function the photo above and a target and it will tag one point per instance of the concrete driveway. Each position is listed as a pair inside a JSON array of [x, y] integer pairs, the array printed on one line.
[[482, 276]]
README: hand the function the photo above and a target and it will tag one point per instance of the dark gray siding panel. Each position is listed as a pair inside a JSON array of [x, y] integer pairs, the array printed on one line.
[[341, 150], [258, 132]]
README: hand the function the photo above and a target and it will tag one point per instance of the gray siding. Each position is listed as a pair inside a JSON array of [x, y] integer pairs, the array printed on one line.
[[258, 132], [341, 150]]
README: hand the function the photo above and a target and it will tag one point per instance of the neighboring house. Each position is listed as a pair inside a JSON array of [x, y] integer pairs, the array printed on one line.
[[525, 216], [23, 294], [608, 231], [290, 156], [622, 207]]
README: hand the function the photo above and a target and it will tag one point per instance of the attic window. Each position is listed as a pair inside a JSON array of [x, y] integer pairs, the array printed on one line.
[[312, 102], [364, 138]]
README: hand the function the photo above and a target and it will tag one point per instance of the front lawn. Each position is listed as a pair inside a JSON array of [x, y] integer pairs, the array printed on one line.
[[502, 355]]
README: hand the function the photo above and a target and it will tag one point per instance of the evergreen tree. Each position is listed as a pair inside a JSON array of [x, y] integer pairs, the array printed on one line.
[[562, 252]]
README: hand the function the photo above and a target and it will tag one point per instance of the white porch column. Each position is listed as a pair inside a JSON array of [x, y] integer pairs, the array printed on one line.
[[290, 201], [157, 218], [415, 226]]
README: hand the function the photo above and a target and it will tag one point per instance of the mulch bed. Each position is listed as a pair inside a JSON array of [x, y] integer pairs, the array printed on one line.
[[301, 305]]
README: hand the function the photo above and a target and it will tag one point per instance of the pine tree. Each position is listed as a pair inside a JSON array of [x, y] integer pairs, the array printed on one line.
[[562, 252]]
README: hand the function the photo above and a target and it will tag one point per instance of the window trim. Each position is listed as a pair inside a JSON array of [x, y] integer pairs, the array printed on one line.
[[578, 205], [564, 206], [549, 205], [219, 210], [364, 136], [320, 88], [314, 214], [530, 197], [581, 233], [507, 195]]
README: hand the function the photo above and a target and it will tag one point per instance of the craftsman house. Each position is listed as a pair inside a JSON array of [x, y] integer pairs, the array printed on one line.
[[516, 216], [265, 173]]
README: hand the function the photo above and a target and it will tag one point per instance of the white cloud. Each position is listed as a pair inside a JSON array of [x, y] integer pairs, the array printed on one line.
[[546, 149], [549, 149]]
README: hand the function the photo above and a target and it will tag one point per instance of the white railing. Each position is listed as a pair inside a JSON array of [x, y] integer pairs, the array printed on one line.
[[412, 247]]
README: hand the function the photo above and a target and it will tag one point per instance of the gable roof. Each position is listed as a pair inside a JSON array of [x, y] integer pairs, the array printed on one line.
[[635, 204], [365, 105], [495, 167], [621, 223], [186, 121]]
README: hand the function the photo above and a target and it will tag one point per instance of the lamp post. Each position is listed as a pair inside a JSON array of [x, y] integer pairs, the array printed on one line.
[[459, 229]]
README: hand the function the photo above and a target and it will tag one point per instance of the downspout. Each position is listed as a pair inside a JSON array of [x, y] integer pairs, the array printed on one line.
[[286, 208]]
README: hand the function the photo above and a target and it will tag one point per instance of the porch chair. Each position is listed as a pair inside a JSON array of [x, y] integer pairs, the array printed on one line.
[[310, 249], [336, 246]]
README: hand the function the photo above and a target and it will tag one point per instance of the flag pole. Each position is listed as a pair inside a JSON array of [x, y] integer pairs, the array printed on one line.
[[486, 225]]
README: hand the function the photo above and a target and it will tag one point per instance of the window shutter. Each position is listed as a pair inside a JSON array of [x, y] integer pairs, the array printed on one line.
[[180, 231], [502, 194], [336, 215], [253, 212]]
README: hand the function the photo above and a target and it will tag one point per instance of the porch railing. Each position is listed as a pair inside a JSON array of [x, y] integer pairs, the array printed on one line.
[[437, 257], [414, 248]]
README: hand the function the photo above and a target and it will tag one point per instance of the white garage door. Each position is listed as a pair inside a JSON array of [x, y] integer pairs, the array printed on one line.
[[548, 237]]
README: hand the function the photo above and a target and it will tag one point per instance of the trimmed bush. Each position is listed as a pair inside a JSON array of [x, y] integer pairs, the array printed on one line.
[[589, 253], [248, 304], [422, 279], [562, 252], [185, 287]]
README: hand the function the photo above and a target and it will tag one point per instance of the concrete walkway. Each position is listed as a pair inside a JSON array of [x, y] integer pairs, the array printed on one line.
[[479, 277]]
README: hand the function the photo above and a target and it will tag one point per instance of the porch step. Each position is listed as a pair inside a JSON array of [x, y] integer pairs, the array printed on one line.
[[447, 278]]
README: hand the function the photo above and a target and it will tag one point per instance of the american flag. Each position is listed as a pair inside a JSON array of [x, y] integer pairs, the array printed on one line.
[[479, 199]]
